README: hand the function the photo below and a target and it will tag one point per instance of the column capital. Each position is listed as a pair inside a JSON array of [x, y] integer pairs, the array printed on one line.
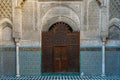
[[17, 40], [102, 3], [104, 39], [104, 35]]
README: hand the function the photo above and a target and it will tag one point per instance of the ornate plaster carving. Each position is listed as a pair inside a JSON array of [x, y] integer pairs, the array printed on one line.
[[57, 14], [21, 3], [4, 22], [115, 21], [6, 9]]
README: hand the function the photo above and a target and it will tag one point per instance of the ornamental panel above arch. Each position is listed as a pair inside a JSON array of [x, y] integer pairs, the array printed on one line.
[[61, 13]]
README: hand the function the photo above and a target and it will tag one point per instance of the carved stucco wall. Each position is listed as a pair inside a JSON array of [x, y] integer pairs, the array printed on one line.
[[114, 33], [82, 16], [6, 37], [114, 9], [6, 9], [38, 16], [30, 34], [114, 29], [90, 32], [62, 14], [35, 14], [114, 26], [93, 20]]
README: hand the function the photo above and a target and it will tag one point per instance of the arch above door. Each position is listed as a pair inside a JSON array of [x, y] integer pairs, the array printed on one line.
[[61, 13]]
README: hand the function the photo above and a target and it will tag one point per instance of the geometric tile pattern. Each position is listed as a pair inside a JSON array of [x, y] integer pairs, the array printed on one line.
[[114, 9], [30, 62], [6, 9], [90, 62], [62, 77]]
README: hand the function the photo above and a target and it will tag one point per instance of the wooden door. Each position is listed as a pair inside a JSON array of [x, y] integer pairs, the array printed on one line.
[[60, 49], [60, 59]]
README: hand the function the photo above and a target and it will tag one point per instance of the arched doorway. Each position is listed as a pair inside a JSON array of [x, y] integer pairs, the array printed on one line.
[[60, 49]]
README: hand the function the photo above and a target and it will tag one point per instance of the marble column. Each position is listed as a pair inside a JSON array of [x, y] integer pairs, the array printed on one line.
[[103, 39], [103, 58], [17, 58], [103, 24]]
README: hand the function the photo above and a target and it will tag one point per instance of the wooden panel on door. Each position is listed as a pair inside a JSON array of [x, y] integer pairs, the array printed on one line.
[[47, 60], [60, 59], [73, 58]]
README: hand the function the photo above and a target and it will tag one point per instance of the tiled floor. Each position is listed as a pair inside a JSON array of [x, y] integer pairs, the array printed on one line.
[[61, 77]]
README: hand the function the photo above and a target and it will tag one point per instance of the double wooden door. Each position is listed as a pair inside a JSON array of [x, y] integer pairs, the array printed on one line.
[[60, 59], [60, 49]]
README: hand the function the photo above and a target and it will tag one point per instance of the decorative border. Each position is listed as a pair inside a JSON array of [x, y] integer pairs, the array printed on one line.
[[39, 49], [99, 49], [21, 49]]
